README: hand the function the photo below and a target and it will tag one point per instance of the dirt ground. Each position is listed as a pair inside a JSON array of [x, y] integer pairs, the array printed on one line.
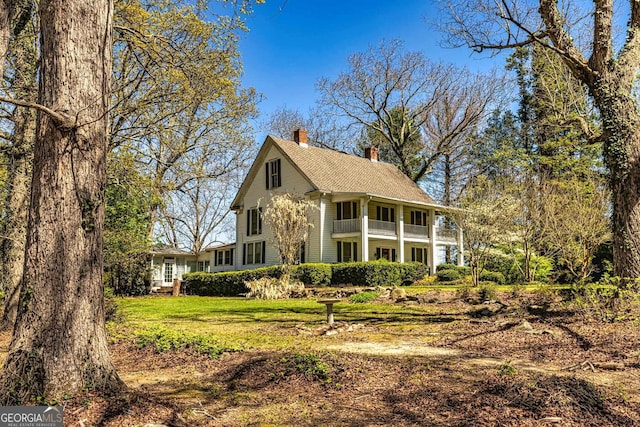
[[493, 364]]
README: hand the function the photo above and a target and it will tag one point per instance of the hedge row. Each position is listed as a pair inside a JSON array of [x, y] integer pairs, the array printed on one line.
[[226, 284], [451, 272], [375, 273]]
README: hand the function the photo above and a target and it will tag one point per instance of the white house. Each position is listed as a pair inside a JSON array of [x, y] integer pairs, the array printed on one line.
[[366, 210], [169, 263]]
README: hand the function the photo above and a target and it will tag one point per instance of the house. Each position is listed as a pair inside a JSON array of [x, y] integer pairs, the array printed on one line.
[[366, 210], [169, 263]]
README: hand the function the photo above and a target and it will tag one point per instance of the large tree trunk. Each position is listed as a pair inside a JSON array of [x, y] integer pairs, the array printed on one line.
[[59, 345], [621, 133]]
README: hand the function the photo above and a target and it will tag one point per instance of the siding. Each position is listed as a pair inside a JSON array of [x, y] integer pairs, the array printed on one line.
[[313, 242], [292, 181], [330, 246]]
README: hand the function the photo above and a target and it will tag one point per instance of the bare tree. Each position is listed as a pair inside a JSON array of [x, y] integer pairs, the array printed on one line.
[[59, 343], [195, 215], [384, 79], [484, 215], [576, 224], [323, 129], [607, 64], [416, 109]]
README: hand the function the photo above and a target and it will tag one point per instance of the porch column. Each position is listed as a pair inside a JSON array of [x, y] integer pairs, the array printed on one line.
[[460, 247], [322, 212], [433, 251], [364, 229], [400, 231]]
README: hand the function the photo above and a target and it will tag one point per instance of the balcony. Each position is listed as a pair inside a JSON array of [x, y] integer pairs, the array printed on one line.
[[383, 228], [347, 225], [416, 231], [443, 233]]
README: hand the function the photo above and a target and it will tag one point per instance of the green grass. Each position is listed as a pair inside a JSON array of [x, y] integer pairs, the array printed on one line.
[[271, 325], [239, 323]]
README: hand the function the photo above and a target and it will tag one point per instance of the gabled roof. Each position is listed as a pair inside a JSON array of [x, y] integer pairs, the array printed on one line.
[[336, 172]]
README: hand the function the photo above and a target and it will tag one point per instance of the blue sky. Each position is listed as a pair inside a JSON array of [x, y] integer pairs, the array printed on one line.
[[292, 43]]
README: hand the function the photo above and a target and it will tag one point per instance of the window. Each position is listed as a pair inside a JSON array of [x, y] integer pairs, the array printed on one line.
[[274, 176], [347, 251], [168, 270], [386, 253], [254, 221], [223, 257], [384, 213], [203, 266], [419, 255], [419, 218], [347, 210], [253, 253]]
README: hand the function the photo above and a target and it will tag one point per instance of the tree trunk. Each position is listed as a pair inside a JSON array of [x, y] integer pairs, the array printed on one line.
[[621, 132], [59, 344], [14, 229], [6, 10], [447, 201]]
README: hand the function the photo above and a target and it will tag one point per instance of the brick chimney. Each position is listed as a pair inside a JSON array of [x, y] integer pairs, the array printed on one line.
[[371, 153], [300, 136]]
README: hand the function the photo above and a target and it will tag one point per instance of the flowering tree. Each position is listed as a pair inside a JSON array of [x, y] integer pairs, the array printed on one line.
[[485, 214], [287, 216]]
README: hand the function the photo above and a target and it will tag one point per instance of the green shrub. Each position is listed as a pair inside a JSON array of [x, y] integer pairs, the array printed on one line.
[[511, 264], [506, 369], [163, 340], [313, 274], [448, 275], [487, 291], [363, 297], [492, 276], [462, 270], [226, 284], [310, 366], [446, 266], [610, 300], [411, 272], [371, 273]]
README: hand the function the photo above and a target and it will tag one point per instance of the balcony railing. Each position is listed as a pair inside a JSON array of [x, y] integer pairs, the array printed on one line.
[[446, 233], [416, 231], [384, 228], [347, 225]]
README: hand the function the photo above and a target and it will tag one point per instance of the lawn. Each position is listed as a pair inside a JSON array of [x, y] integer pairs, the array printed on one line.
[[442, 358], [276, 325]]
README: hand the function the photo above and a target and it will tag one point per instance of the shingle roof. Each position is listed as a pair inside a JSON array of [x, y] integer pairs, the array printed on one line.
[[168, 250], [337, 172]]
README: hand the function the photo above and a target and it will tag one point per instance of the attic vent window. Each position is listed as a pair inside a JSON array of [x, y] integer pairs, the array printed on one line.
[[274, 176]]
